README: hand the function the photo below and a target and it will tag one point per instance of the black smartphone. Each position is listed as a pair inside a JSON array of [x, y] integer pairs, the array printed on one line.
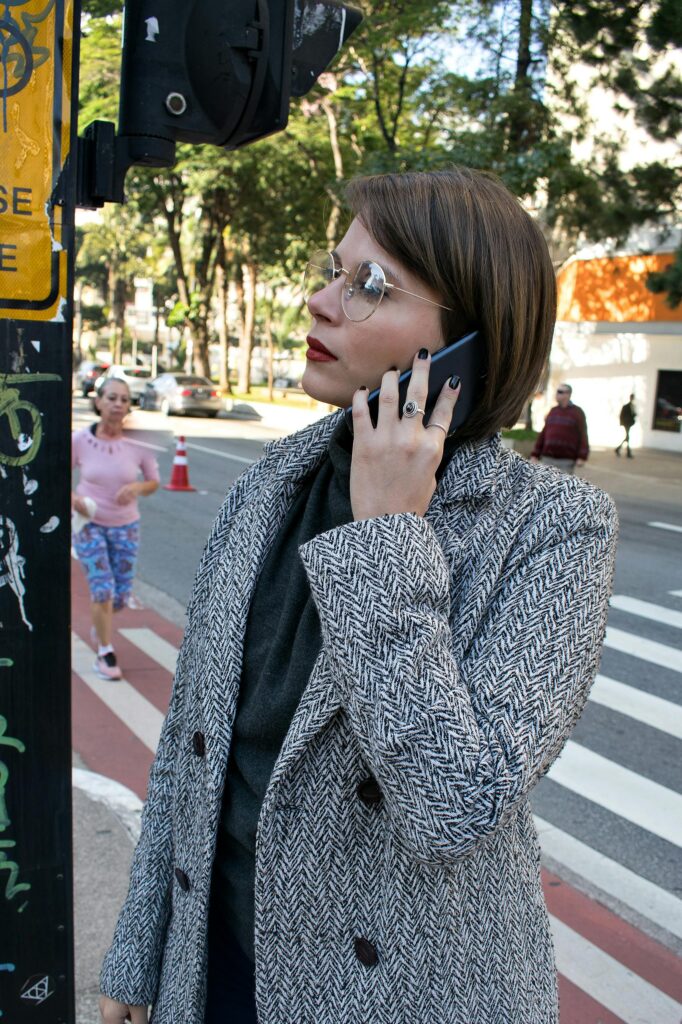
[[463, 357]]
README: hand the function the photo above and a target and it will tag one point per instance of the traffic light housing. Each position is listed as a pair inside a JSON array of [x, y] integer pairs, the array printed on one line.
[[207, 71]]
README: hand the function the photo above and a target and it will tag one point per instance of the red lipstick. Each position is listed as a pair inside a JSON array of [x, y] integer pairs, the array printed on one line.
[[317, 353]]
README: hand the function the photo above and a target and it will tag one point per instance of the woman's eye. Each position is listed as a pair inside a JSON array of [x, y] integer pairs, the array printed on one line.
[[371, 288]]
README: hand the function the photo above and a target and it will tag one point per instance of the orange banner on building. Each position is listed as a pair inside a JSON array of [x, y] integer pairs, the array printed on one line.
[[613, 289]]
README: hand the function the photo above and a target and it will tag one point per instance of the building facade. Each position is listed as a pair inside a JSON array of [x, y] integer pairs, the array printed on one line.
[[615, 338]]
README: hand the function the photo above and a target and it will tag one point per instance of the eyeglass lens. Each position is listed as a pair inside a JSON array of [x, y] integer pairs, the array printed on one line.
[[361, 294]]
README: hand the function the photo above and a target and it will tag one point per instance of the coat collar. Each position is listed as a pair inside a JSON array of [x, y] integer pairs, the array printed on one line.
[[471, 472]]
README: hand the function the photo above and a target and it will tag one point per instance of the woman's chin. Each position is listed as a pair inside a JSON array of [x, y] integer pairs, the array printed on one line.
[[322, 390]]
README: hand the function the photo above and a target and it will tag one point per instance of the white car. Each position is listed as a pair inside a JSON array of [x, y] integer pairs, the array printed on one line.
[[136, 378]]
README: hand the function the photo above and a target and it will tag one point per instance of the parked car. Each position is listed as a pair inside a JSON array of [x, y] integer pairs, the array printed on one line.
[[136, 378], [86, 375], [181, 393]]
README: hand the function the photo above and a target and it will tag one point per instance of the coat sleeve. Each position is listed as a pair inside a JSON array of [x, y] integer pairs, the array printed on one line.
[[455, 746], [131, 967]]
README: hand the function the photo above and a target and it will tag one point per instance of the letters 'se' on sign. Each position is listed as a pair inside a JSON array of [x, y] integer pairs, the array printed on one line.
[[36, 47]]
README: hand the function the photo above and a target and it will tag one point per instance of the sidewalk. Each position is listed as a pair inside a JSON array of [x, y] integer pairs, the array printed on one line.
[[103, 851]]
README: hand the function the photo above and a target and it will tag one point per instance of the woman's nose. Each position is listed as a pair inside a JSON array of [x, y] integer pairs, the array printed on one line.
[[326, 302]]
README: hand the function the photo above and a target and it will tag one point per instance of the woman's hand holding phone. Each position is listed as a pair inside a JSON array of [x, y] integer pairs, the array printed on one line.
[[394, 464]]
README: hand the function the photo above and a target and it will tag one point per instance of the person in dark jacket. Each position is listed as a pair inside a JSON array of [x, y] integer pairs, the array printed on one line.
[[628, 415], [562, 442], [391, 635]]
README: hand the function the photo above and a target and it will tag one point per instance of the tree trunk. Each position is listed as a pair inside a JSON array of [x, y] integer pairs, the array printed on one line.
[[118, 309], [249, 276], [271, 351], [520, 118], [335, 212], [201, 337], [77, 323], [223, 335]]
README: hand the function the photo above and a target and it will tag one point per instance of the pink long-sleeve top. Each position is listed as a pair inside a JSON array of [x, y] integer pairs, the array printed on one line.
[[106, 466]]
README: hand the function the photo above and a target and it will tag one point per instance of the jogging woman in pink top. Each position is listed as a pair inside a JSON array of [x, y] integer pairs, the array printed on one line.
[[107, 545]]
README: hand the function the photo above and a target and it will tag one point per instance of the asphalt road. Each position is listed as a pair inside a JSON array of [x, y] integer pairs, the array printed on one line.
[[635, 763]]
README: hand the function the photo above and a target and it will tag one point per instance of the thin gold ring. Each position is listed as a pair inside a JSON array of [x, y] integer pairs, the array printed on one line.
[[439, 425]]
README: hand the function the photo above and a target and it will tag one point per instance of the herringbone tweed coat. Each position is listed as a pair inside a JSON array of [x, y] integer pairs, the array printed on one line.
[[458, 651]]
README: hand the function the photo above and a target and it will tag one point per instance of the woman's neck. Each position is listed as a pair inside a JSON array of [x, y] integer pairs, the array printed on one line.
[[110, 431]]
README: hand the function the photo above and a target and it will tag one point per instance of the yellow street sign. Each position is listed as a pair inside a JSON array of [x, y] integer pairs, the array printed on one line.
[[35, 114]]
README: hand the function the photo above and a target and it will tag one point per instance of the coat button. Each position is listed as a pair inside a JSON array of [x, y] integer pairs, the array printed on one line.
[[183, 880], [365, 952], [198, 744], [369, 791]]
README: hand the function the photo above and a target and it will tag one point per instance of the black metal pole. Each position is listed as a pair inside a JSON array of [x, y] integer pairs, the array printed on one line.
[[38, 96]]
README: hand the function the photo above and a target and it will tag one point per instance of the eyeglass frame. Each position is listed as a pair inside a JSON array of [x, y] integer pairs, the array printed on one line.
[[337, 271]]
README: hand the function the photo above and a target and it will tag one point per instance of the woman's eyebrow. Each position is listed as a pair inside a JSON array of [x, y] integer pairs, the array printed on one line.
[[391, 276]]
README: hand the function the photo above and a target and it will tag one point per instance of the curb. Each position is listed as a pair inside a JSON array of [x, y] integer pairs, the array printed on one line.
[[120, 800]]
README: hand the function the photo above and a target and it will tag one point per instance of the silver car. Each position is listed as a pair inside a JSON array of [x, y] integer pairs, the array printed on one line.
[[181, 393], [136, 377]]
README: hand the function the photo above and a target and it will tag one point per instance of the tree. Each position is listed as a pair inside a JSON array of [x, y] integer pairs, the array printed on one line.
[[112, 252], [632, 50]]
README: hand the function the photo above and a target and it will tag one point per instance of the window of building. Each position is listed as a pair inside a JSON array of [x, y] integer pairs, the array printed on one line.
[[668, 408]]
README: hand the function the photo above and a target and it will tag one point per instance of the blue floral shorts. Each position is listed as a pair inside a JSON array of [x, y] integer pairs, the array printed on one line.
[[108, 555]]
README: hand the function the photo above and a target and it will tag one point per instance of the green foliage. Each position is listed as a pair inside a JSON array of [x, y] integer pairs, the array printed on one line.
[[669, 281], [99, 70], [392, 101]]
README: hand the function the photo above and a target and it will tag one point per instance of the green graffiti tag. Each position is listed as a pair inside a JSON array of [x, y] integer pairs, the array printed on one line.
[[12, 885], [11, 404]]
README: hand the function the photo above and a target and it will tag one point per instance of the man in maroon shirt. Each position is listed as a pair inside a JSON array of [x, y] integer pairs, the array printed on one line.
[[562, 442]]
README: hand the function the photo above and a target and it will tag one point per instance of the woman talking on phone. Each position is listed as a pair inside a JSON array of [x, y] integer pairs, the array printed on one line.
[[392, 632]]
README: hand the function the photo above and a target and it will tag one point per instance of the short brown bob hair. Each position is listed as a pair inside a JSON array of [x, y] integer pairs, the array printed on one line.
[[463, 233]]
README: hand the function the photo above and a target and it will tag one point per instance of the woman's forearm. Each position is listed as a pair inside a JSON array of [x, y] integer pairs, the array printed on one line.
[[146, 487]]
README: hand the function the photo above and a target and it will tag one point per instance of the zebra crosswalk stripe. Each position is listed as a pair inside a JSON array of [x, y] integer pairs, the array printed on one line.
[[630, 889], [631, 796], [154, 646], [643, 707], [647, 650], [134, 710], [666, 526], [647, 610]]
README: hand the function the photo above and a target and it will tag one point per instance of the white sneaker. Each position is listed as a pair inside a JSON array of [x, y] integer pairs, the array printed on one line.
[[106, 666]]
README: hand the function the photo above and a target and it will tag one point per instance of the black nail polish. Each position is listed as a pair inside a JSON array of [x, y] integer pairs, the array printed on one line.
[[455, 381], [423, 353]]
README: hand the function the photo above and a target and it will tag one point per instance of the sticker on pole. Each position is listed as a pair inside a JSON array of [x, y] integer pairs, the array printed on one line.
[[35, 108]]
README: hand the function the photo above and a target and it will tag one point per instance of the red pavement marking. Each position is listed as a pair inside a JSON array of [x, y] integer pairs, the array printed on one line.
[[631, 947], [576, 1007], [103, 741]]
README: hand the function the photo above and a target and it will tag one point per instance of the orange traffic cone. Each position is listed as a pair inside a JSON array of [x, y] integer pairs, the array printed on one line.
[[179, 480]]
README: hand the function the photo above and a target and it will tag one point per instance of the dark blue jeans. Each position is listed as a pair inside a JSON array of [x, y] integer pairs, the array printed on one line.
[[231, 979]]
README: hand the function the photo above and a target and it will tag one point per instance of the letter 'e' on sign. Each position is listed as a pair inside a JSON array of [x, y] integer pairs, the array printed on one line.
[[35, 115]]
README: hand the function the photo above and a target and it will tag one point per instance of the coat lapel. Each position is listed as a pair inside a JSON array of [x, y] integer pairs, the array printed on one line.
[[285, 464], [471, 472]]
